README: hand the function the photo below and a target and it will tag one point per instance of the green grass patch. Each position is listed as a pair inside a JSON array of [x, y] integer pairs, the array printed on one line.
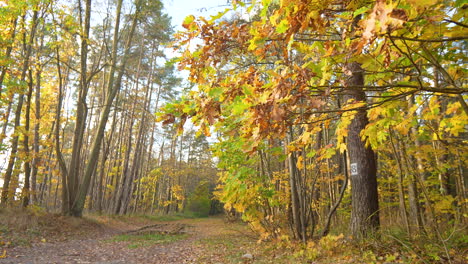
[[145, 240], [170, 217], [155, 217]]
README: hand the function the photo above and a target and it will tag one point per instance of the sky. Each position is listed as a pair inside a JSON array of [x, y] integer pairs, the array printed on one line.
[[179, 9]]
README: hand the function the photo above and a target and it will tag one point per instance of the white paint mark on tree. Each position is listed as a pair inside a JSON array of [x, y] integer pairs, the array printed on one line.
[[354, 169]]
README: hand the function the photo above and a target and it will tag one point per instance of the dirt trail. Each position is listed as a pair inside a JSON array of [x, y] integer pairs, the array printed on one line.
[[101, 248]]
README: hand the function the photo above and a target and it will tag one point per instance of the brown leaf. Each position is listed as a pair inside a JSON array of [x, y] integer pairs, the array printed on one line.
[[278, 113], [399, 14], [316, 103]]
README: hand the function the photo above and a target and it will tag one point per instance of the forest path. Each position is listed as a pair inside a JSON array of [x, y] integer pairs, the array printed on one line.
[[181, 241]]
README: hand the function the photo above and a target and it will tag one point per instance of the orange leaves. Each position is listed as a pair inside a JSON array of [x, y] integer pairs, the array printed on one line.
[[383, 19], [188, 22]]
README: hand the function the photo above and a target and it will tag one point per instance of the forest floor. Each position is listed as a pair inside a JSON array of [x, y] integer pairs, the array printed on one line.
[[36, 237], [28, 238]]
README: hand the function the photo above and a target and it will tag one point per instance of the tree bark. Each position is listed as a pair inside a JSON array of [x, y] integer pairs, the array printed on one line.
[[295, 202], [363, 170], [74, 170], [25, 193], [36, 158], [401, 194]]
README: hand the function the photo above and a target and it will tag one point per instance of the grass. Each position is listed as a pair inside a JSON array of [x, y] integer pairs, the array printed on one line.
[[170, 217], [153, 218], [145, 240]]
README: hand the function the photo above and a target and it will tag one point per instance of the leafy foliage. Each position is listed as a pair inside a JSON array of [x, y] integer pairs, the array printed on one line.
[[270, 80]]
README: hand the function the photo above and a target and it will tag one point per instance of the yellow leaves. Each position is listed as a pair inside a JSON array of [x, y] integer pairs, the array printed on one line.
[[326, 247], [433, 109], [282, 27], [189, 22], [219, 15], [263, 97], [453, 108], [455, 71], [455, 121], [326, 71], [342, 130], [254, 43], [329, 51], [4, 255], [422, 3], [274, 18], [178, 192], [300, 162], [342, 147], [445, 204], [345, 120], [374, 113], [367, 61]]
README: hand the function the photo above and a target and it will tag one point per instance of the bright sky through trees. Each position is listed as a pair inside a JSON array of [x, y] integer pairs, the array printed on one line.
[[179, 9]]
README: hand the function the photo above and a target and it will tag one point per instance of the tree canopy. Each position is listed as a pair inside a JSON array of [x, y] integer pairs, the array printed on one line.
[[290, 80]]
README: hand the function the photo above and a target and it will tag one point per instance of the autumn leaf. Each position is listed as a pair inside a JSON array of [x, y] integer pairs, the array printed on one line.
[[188, 21], [282, 27], [278, 113]]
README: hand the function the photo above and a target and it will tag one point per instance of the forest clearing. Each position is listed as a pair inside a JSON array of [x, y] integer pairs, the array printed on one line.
[[232, 131]]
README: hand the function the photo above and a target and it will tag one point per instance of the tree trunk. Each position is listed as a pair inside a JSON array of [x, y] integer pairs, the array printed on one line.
[[74, 170], [295, 202], [14, 146], [401, 194], [27, 162], [36, 158], [363, 170]]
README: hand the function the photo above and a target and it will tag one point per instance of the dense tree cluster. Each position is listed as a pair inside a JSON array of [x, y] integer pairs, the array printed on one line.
[[79, 89]]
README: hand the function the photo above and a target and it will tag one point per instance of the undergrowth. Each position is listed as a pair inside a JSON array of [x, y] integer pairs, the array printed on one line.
[[391, 245], [22, 227]]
